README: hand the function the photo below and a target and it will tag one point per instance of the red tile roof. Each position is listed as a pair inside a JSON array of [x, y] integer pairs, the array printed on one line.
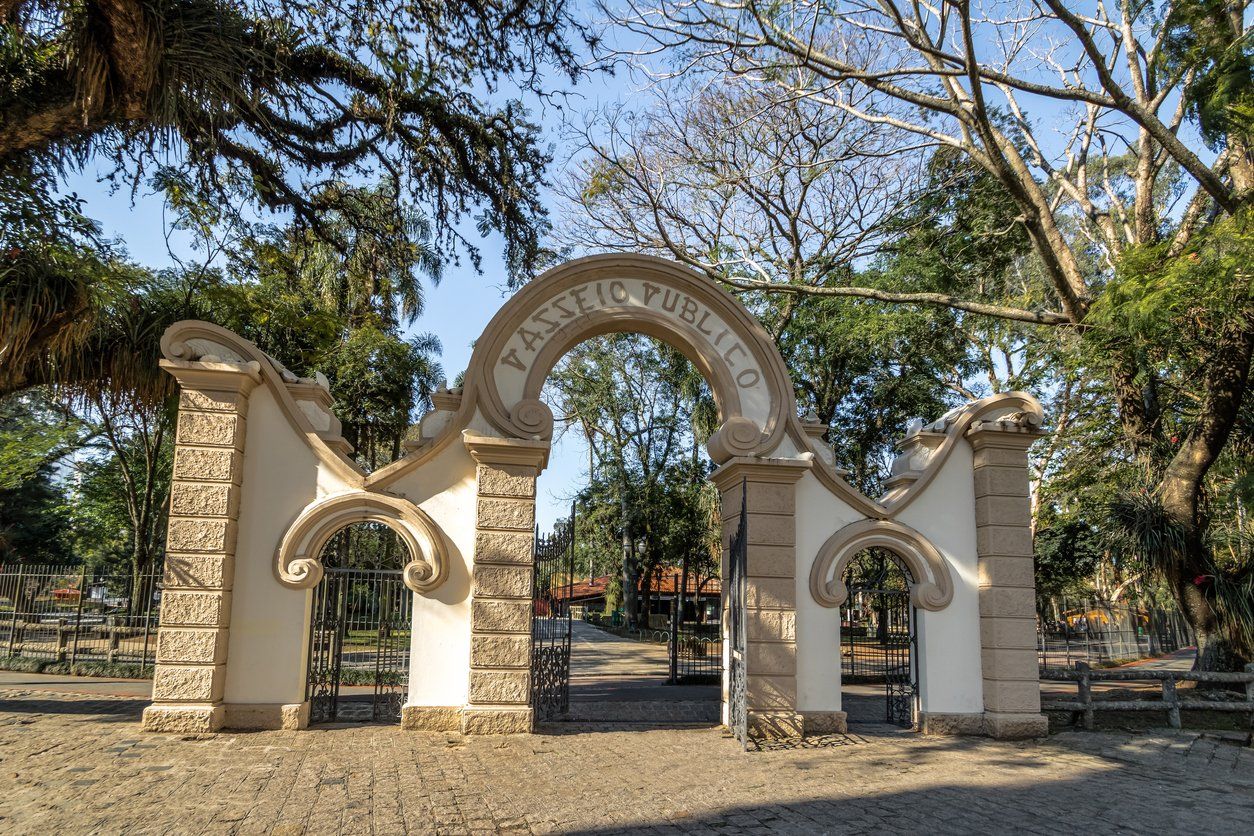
[[665, 585]]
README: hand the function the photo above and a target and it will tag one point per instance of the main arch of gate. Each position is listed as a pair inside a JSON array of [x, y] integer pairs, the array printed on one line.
[[262, 475]]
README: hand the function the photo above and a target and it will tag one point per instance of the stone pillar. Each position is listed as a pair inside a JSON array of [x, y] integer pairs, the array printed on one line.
[[769, 487], [190, 672], [499, 700], [1012, 693]]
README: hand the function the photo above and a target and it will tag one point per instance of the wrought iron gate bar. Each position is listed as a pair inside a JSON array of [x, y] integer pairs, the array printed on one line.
[[879, 633], [737, 679], [552, 584], [360, 631]]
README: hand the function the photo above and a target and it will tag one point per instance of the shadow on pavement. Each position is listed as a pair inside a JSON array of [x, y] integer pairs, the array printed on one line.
[[115, 709]]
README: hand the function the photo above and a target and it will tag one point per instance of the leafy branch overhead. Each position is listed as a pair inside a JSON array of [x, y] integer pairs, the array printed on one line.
[[275, 101]]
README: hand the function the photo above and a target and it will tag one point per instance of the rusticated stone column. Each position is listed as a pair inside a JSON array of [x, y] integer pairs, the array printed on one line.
[[769, 488], [200, 545], [499, 699], [1012, 691]]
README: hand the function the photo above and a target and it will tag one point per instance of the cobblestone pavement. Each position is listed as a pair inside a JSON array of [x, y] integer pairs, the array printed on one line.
[[79, 764]]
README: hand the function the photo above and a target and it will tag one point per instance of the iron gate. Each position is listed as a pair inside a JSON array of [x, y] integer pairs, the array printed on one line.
[[550, 621], [359, 638], [696, 650], [737, 680], [878, 633]]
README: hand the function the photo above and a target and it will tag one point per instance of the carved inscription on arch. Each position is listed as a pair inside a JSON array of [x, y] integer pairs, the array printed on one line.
[[715, 337]]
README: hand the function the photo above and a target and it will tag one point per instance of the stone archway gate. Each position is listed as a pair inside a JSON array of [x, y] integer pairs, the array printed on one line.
[[262, 478]]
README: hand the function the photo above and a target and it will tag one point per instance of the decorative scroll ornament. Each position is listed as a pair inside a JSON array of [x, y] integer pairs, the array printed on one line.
[[298, 564], [738, 436], [931, 586], [533, 417]]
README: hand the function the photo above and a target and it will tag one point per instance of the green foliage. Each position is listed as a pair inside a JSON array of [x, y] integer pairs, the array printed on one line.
[[101, 510], [1174, 304], [34, 437], [34, 434], [867, 369], [1210, 40], [1068, 552], [316, 308], [266, 102]]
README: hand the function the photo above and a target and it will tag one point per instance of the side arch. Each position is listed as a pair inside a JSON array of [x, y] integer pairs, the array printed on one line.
[[298, 564], [932, 587]]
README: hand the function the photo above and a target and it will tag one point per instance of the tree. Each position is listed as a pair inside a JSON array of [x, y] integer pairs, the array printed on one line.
[[341, 312], [35, 436], [268, 106], [739, 182], [1124, 190], [746, 183], [643, 410]]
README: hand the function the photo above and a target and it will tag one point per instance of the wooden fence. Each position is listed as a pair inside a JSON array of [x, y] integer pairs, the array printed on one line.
[[1172, 702]]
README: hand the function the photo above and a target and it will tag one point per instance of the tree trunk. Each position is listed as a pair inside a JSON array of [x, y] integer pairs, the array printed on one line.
[[1191, 573], [630, 571]]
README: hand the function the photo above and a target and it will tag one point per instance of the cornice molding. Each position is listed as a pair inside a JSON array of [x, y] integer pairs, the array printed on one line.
[[778, 471], [490, 450]]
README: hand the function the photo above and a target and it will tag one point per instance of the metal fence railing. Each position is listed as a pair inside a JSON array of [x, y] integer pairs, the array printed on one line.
[[1071, 630], [74, 615]]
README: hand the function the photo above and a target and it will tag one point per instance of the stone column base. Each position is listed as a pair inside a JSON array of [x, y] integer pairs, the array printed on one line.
[[184, 719], [951, 724], [444, 718], [825, 722], [497, 720], [776, 725], [1015, 726], [265, 716]]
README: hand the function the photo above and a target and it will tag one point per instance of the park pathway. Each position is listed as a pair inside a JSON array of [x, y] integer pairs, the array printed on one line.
[[613, 679]]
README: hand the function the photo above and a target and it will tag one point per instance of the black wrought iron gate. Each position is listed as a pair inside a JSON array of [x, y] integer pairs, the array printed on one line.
[[695, 647], [359, 644], [878, 634], [737, 679], [550, 621]]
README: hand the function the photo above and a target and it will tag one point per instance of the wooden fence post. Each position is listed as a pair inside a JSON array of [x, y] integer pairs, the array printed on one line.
[[19, 588], [1085, 688], [1249, 697], [114, 638], [63, 639], [78, 617], [1172, 701]]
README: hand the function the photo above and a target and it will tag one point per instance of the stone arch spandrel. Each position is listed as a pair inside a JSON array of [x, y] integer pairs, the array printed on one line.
[[931, 588], [297, 561], [193, 341], [1018, 410]]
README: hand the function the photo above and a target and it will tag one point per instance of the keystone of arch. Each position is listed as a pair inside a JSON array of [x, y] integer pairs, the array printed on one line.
[[931, 587], [297, 563]]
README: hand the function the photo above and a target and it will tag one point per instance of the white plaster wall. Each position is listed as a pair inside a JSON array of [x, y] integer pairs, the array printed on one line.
[[269, 622], [949, 640], [445, 488], [819, 516]]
